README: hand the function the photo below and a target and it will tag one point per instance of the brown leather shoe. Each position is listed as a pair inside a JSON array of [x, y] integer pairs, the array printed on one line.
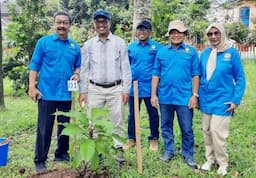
[[153, 145], [129, 144]]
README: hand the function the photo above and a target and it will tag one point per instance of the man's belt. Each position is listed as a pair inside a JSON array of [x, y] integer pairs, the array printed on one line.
[[106, 85]]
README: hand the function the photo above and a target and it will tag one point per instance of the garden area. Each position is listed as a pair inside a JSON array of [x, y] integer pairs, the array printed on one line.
[[18, 122], [18, 117]]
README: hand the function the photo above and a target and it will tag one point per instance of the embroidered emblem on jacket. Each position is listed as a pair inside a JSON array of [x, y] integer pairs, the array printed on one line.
[[153, 47], [227, 55], [72, 45]]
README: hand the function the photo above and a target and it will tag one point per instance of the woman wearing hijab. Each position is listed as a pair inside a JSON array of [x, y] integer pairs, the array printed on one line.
[[222, 87]]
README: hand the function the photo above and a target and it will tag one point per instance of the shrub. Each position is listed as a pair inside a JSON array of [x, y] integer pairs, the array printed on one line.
[[91, 136], [251, 38], [237, 31]]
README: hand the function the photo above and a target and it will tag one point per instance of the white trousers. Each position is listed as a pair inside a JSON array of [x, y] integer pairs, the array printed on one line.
[[99, 97], [216, 131]]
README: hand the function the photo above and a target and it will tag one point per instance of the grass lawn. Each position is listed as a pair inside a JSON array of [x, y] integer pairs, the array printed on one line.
[[18, 122]]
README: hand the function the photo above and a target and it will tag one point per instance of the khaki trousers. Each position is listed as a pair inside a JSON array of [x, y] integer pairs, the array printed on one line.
[[111, 98], [216, 131]]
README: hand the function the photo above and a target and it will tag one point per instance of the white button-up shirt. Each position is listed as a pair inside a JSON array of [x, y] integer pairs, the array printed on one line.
[[105, 62]]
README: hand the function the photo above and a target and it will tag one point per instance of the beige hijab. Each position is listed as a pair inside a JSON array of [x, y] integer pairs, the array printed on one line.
[[224, 44]]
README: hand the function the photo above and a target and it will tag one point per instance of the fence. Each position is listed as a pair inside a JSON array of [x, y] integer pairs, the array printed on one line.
[[246, 51]]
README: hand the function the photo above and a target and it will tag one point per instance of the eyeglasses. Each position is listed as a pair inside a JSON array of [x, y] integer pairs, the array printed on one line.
[[103, 22], [62, 22], [210, 34]]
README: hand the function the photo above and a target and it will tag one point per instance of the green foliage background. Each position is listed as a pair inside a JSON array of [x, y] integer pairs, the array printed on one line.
[[192, 14], [237, 31], [33, 19]]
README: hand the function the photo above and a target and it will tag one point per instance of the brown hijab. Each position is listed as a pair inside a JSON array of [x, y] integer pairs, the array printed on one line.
[[222, 46]]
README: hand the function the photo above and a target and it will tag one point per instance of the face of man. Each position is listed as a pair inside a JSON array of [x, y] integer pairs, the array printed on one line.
[[143, 34], [176, 37], [62, 26], [214, 36], [102, 26]]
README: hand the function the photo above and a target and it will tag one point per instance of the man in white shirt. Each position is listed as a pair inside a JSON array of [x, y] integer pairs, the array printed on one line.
[[105, 78]]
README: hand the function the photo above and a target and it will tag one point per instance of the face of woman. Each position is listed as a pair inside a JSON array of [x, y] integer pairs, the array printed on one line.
[[214, 36]]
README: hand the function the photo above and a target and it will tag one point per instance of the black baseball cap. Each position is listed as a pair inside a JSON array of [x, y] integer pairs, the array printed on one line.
[[101, 13], [144, 23]]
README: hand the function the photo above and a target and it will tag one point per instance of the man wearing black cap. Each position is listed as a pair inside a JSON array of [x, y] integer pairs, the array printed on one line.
[[105, 78], [142, 56]]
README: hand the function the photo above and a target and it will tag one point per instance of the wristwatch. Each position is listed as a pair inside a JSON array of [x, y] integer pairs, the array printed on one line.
[[196, 94]]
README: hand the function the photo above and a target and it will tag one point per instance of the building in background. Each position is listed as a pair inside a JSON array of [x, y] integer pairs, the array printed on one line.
[[5, 15], [226, 11], [245, 12]]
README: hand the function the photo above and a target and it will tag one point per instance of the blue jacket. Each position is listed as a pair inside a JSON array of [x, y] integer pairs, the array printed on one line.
[[176, 69], [227, 83], [142, 59], [55, 60]]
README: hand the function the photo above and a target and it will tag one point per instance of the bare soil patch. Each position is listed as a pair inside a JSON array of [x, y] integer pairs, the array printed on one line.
[[69, 173]]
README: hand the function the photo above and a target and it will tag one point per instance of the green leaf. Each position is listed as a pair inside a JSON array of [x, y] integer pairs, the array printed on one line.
[[104, 125], [72, 114], [97, 113], [76, 160], [76, 115], [101, 146], [118, 137], [87, 149], [72, 148], [72, 130], [95, 162]]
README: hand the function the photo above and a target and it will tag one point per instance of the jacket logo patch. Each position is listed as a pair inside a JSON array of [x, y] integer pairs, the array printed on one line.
[[72, 45], [227, 57], [153, 47]]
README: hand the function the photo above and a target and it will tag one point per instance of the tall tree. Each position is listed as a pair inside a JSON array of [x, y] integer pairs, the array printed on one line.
[[191, 12], [2, 106], [142, 10], [28, 24], [31, 22], [78, 9]]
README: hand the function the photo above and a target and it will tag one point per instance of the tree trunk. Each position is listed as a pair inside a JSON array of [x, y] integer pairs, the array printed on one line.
[[142, 10], [2, 106]]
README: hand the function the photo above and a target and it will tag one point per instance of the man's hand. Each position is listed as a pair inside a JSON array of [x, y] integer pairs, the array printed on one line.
[[75, 77], [82, 99], [34, 93], [125, 97], [232, 106], [154, 101], [193, 102]]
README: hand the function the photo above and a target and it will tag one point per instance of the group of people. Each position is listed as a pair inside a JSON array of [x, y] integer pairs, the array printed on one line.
[[171, 78]]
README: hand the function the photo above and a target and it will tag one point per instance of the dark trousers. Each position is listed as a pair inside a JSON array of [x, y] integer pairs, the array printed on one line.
[[185, 120], [45, 126], [153, 118]]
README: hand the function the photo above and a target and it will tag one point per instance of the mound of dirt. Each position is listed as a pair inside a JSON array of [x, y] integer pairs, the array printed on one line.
[[69, 173]]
